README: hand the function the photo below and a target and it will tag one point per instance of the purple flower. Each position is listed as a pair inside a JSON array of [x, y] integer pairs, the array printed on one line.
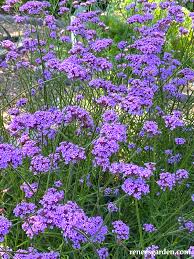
[[29, 189], [10, 156], [135, 187], [150, 128], [101, 44], [40, 164], [110, 116], [121, 230], [58, 184], [150, 252], [149, 228], [103, 253], [174, 120], [21, 102], [70, 152], [180, 141], [174, 159], [112, 207], [191, 251], [34, 225], [166, 180], [5, 252], [181, 174], [138, 18], [24, 208], [107, 191], [76, 113], [5, 226], [122, 44], [34, 7]]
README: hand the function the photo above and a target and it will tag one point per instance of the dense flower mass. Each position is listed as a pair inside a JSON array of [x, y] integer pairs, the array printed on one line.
[[96, 138]]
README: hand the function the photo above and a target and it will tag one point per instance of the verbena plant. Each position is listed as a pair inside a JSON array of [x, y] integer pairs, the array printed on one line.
[[96, 149]]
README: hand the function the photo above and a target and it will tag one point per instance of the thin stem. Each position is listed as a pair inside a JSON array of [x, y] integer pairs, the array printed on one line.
[[139, 224]]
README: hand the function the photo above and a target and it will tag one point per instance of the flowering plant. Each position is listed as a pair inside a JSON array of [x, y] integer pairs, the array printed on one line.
[[96, 149]]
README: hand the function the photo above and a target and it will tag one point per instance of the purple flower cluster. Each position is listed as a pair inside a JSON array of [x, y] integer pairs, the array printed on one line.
[[29, 189], [121, 230], [111, 134], [135, 187], [112, 207], [69, 218], [150, 128], [149, 228], [186, 224], [103, 253], [23, 209], [174, 120], [101, 106], [100, 45], [34, 7], [70, 152], [5, 226], [169, 180], [33, 253], [10, 156]]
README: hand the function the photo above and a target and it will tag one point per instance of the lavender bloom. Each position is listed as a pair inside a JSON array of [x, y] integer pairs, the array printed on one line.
[[103, 253], [186, 225], [191, 251], [131, 170], [29, 189], [101, 44], [34, 7], [107, 191], [150, 128], [180, 141], [9, 155], [5, 252], [58, 184], [149, 228], [76, 113], [192, 197], [74, 70], [137, 18], [30, 148], [166, 180], [174, 159], [7, 44], [110, 116], [135, 187], [108, 143], [122, 44], [34, 225], [174, 120], [70, 152], [189, 225], [150, 252], [121, 230], [24, 208], [181, 175], [40, 164], [21, 102], [33, 253], [112, 207], [168, 152], [5, 226]]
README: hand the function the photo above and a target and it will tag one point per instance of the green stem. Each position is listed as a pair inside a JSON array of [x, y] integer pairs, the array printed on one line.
[[139, 225]]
